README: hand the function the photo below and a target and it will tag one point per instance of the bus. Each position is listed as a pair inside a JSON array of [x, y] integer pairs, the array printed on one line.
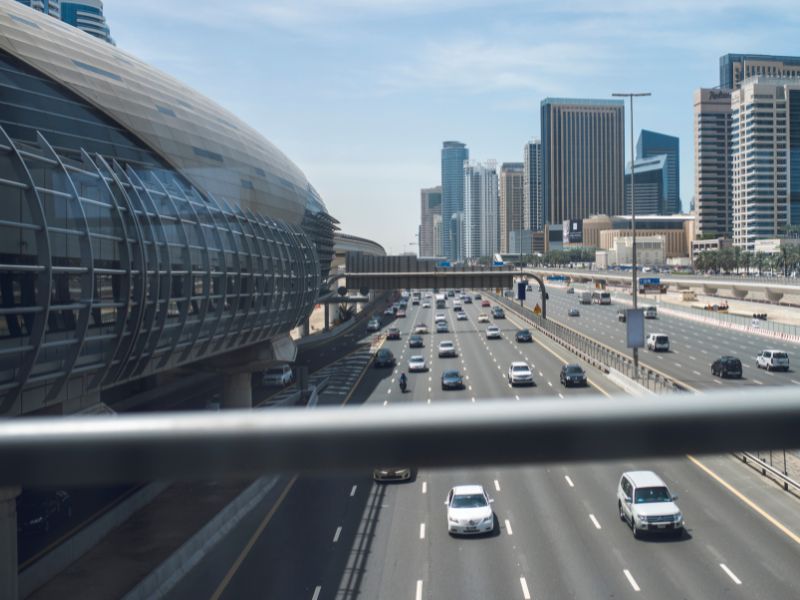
[[601, 297], [441, 301]]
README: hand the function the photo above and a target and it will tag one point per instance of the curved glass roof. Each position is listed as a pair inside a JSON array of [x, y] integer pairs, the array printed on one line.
[[207, 144]]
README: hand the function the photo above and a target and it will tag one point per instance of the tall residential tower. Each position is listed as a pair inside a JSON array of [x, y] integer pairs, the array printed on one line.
[[481, 225], [712, 169], [510, 210], [86, 15], [532, 186], [430, 208], [454, 154]]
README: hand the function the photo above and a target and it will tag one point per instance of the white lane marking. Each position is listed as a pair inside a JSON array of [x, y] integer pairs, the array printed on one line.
[[470, 388], [550, 383], [525, 592], [508, 527], [594, 521], [473, 399], [353, 491], [418, 595], [758, 382], [631, 580], [730, 574], [424, 487], [569, 481], [337, 534], [422, 531], [794, 381], [393, 377], [718, 381], [429, 389], [517, 397], [497, 485], [696, 373], [560, 395], [385, 402], [389, 391], [429, 400], [541, 374], [317, 591]]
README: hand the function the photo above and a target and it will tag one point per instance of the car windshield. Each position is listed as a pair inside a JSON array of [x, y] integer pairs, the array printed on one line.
[[574, 370], [446, 345], [468, 501], [651, 494], [276, 371], [451, 374], [520, 368]]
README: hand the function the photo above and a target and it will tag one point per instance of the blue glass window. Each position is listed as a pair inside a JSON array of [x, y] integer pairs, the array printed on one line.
[[97, 70]]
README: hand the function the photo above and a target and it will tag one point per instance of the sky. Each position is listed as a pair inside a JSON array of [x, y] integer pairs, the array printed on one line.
[[360, 94]]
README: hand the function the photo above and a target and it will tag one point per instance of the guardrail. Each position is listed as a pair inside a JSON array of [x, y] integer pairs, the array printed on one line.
[[738, 320], [595, 353], [765, 468]]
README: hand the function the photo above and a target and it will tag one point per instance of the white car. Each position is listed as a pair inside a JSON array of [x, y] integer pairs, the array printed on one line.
[[773, 360], [281, 375], [469, 510], [373, 325], [483, 318], [645, 502], [519, 373], [658, 342], [426, 305], [650, 312], [447, 348], [417, 364], [493, 333], [441, 327], [421, 328], [462, 316], [439, 317]]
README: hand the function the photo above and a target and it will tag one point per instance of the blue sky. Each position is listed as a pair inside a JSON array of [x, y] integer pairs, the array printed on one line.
[[361, 93]]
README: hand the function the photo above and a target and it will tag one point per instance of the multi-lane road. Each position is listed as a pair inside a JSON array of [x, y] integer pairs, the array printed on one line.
[[558, 533]]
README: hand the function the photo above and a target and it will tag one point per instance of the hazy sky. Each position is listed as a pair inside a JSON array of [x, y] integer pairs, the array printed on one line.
[[361, 93]]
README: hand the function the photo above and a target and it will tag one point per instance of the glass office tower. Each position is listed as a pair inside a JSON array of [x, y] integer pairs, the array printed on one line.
[[453, 156]]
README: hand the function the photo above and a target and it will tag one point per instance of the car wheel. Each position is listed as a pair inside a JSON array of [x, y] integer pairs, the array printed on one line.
[[636, 533], [621, 512]]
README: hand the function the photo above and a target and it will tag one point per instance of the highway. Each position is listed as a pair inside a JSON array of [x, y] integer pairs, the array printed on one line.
[[558, 534], [693, 345]]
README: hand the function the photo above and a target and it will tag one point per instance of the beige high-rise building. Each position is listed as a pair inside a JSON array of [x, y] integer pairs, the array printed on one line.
[[712, 172], [512, 196], [430, 206]]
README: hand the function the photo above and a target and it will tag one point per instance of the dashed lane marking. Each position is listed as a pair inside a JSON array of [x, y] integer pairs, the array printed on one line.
[[337, 534], [730, 574], [496, 485], [317, 591], [508, 528], [569, 481], [418, 595], [631, 580], [594, 521], [424, 487], [422, 531], [353, 491], [526, 594]]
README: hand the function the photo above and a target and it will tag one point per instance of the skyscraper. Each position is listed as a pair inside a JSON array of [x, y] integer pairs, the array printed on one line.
[[712, 174], [583, 158], [649, 186], [481, 227], [652, 144], [533, 210], [735, 68], [510, 209], [453, 156], [765, 151], [430, 206], [86, 15]]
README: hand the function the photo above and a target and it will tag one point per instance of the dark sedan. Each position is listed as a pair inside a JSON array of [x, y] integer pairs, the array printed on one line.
[[393, 333], [384, 358], [524, 336], [452, 380], [573, 375], [415, 341]]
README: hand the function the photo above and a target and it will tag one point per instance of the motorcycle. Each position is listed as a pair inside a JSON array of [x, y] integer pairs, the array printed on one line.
[[403, 385]]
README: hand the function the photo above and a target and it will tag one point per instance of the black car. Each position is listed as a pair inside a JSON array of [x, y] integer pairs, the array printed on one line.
[[478, 297], [467, 300], [498, 313], [524, 336], [572, 375], [416, 341], [452, 380], [40, 511], [384, 358], [727, 366], [393, 333]]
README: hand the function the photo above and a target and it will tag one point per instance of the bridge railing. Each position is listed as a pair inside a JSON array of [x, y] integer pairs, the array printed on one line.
[[595, 353]]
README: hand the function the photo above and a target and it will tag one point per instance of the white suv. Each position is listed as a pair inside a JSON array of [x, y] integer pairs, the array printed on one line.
[[771, 360], [646, 504], [519, 373], [493, 333], [658, 342]]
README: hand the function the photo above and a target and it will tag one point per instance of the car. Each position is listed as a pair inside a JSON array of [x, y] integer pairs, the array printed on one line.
[[415, 341], [570, 290], [646, 504], [393, 333], [401, 313], [658, 342], [519, 373], [493, 333], [523, 336], [415, 302], [391, 474], [469, 510], [457, 309], [462, 316], [485, 304], [456, 304], [416, 363], [441, 327], [389, 311], [280, 375], [439, 317], [40, 511], [478, 296], [483, 318], [467, 300], [426, 304], [572, 375], [727, 366], [384, 358], [622, 316], [498, 313], [452, 380], [574, 312], [421, 329], [447, 349], [650, 312], [373, 325], [773, 360], [450, 293]]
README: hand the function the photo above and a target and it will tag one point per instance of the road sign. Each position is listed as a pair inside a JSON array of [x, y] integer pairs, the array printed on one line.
[[444, 263], [537, 310], [499, 263], [634, 319], [521, 290], [649, 281]]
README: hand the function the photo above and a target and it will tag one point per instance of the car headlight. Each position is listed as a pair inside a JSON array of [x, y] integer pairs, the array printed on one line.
[[452, 520], [678, 518], [489, 518]]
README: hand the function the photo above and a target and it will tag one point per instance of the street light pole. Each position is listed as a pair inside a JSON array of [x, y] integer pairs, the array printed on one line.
[[634, 282]]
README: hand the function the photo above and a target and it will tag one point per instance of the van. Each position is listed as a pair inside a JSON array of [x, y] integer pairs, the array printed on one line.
[[773, 360], [646, 504], [650, 312], [658, 342]]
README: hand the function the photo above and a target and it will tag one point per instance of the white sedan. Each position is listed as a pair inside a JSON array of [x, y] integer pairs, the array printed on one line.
[[493, 333], [461, 316], [469, 510], [483, 318], [417, 364], [421, 328], [519, 373], [426, 305], [447, 348]]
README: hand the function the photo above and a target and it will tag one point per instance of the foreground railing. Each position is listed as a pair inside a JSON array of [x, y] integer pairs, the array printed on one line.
[[213, 445]]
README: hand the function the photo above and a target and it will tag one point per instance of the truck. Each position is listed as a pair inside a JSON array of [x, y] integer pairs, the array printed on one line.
[[585, 298], [441, 301]]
